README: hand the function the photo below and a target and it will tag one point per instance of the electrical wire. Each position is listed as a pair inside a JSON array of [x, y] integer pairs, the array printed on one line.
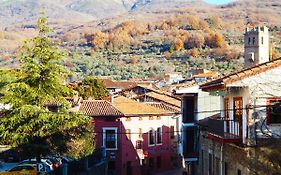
[[196, 112]]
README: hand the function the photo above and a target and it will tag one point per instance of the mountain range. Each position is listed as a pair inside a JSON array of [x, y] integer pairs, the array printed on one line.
[[76, 11]]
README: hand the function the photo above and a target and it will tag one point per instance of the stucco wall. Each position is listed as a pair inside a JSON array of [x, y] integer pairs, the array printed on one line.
[[260, 88], [225, 158], [208, 105]]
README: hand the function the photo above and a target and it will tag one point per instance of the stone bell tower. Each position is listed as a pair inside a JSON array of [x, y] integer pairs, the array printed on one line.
[[256, 46]]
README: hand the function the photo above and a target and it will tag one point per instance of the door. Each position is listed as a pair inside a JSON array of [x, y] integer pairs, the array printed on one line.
[[129, 168], [238, 114]]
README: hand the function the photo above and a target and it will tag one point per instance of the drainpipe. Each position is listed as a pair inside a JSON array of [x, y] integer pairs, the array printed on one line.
[[222, 160]]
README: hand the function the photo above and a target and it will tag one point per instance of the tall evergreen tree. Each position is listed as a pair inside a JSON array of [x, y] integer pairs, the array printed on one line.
[[28, 124]]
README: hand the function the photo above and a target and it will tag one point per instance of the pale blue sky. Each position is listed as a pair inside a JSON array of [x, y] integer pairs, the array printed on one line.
[[218, 1]]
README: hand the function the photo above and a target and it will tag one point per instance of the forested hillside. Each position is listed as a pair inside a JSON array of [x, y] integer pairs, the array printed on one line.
[[151, 39]]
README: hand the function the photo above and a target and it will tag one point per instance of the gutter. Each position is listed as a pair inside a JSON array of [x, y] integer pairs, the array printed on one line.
[[209, 86], [143, 115]]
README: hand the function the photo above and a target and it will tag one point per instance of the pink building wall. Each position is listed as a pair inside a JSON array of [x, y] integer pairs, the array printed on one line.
[[127, 158]]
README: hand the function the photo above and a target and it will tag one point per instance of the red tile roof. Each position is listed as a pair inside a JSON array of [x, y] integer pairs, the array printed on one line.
[[109, 83], [126, 84], [131, 107], [237, 76], [98, 108], [165, 98], [165, 107], [207, 75]]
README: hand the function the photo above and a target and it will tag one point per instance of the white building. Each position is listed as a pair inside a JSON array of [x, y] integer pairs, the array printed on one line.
[[250, 116]]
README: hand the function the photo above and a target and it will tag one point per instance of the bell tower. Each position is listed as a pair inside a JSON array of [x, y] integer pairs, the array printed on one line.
[[256, 46]]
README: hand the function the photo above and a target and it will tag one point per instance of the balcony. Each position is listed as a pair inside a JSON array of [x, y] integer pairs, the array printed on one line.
[[224, 130]]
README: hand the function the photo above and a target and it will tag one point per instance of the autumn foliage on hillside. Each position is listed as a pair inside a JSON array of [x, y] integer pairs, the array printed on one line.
[[118, 38], [180, 32]]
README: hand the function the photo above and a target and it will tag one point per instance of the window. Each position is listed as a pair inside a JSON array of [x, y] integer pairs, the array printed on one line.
[[128, 134], [139, 144], [254, 40], [140, 133], [158, 161], [128, 118], [238, 172], [262, 40], [142, 91], [249, 40], [159, 135], [172, 132], [274, 111], [237, 108], [110, 138], [151, 137], [188, 109], [140, 118], [158, 117], [190, 141]]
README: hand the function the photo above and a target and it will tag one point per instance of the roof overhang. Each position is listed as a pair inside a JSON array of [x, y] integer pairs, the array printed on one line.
[[213, 86], [188, 90], [147, 115]]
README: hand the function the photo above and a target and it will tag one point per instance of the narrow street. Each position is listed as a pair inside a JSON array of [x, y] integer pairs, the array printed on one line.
[[171, 172]]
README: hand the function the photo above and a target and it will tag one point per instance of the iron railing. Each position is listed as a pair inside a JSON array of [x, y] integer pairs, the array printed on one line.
[[224, 128]]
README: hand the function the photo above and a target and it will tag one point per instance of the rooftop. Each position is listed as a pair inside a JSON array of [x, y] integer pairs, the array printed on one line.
[[99, 108], [165, 98], [237, 76], [131, 107]]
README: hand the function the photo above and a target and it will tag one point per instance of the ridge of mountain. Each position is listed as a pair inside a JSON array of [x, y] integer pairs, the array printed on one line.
[[18, 11]]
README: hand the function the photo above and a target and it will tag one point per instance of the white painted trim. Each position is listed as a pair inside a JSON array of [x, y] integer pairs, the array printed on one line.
[[104, 136], [188, 90], [153, 132], [161, 133]]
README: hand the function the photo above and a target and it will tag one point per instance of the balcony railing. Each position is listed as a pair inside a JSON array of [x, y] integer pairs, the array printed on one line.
[[224, 130]]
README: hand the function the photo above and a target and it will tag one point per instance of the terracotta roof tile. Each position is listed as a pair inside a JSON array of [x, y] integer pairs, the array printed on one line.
[[207, 75], [165, 98], [109, 83], [126, 84], [131, 107], [99, 108], [165, 107]]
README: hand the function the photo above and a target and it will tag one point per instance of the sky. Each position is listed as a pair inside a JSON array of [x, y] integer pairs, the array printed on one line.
[[217, 1]]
